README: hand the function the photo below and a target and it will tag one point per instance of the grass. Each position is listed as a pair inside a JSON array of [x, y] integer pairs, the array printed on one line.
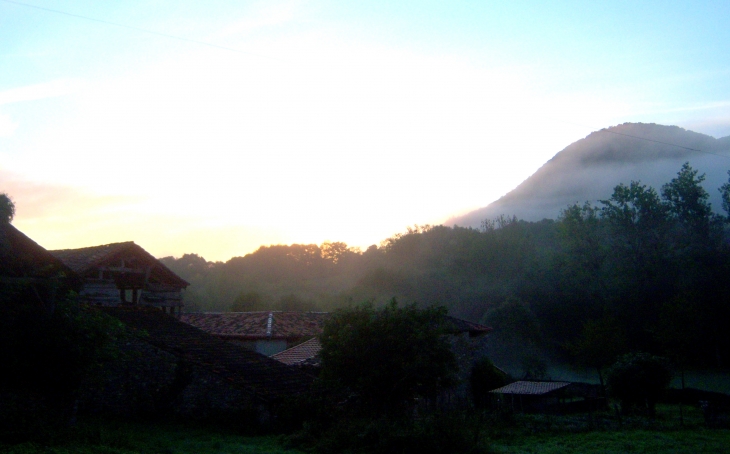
[[688, 441], [163, 438], [581, 433], [605, 433]]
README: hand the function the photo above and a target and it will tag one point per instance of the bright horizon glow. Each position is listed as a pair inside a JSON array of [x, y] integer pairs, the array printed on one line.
[[331, 122]]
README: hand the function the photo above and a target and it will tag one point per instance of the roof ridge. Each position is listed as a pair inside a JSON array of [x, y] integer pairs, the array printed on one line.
[[92, 247]]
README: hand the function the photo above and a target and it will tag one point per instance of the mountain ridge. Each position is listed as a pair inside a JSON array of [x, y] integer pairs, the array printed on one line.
[[589, 169]]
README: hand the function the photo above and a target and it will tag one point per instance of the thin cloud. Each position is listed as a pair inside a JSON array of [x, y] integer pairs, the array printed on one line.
[[266, 17], [7, 126], [34, 92]]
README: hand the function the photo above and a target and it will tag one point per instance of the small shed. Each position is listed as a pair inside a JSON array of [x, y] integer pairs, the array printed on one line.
[[533, 396]]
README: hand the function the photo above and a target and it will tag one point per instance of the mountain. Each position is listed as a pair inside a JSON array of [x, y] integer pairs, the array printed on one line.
[[590, 168]]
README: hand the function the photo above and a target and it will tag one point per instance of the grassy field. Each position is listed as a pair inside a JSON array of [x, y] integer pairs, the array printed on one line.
[[597, 433], [127, 438], [624, 441], [606, 433]]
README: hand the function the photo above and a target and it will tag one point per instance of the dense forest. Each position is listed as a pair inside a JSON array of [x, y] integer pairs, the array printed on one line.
[[646, 269]]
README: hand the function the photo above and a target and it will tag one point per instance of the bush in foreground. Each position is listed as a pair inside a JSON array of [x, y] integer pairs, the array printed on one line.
[[638, 380]]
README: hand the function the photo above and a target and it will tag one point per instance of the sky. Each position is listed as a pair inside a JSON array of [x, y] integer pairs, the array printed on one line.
[[216, 127]]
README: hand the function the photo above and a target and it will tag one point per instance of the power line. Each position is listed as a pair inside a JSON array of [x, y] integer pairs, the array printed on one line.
[[664, 143], [230, 49], [647, 139], [650, 140], [139, 29]]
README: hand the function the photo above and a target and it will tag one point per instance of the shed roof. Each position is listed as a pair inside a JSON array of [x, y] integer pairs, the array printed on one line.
[[299, 353], [533, 388], [264, 377], [88, 259]]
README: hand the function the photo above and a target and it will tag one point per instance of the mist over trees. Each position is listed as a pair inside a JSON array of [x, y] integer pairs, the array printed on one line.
[[588, 169], [645, 269]]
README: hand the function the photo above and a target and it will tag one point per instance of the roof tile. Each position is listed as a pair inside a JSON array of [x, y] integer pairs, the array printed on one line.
[[300, 353], [254, 325]]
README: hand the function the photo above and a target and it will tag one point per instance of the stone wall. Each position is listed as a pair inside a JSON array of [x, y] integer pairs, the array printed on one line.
[[144, 380]]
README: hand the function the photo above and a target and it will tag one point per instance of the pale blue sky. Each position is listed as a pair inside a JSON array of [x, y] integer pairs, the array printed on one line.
[[332, 120]]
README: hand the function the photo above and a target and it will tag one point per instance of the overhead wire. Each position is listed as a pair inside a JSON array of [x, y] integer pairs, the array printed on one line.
[[139, 29], [231, 49], [606, 130]]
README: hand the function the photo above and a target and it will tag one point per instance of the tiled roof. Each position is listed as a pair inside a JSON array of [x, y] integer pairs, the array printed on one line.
[[535, 388], [264, 377], [286, 325], [259, 325], [300, 353], [84, 260], [87, 258]]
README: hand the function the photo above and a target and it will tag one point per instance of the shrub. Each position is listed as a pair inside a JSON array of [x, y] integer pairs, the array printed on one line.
[[638, 380], [387, 358], [485, 377]]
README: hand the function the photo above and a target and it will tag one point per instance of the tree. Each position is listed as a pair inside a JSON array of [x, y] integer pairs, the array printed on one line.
[[485, 377], [687, 201], [725, 193], [248, 302], [638, 222], [580, 262], [517, 338], [640, 272], [334, 251], [387, 357], [600, 342], [638, 380], [7, 208]]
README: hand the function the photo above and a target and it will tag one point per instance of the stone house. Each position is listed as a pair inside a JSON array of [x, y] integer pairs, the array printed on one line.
[[124, 274]]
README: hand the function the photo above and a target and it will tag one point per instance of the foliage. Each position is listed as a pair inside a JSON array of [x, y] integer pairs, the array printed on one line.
[[687, 201], [47, 357], [7, 208], [247, 302], [485, 377], [623, 259], [599, 344], [517, 338], [66, 345], [149, 436], [725, 193], [515, 319], [387, 357], [638, 380], [435, 433]]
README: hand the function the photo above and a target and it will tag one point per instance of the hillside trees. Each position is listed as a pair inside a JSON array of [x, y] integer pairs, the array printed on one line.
[[623, 259]]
